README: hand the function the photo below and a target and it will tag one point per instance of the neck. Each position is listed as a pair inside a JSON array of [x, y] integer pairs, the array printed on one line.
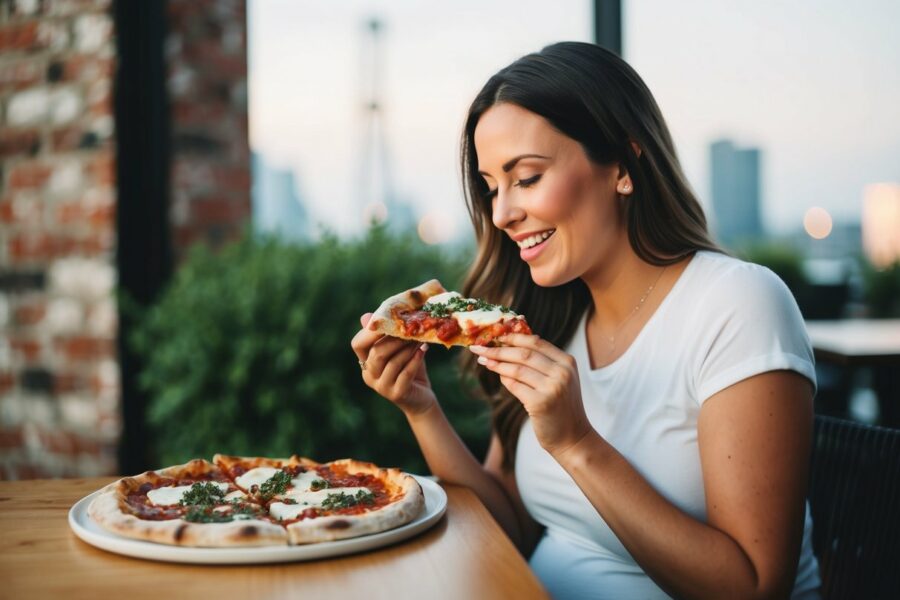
[[618, 285]]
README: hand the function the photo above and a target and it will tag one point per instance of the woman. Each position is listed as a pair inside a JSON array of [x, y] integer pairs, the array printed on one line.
[[652, 439]]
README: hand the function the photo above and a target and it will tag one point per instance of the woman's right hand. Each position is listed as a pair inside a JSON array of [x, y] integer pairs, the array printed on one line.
[[394, 368]]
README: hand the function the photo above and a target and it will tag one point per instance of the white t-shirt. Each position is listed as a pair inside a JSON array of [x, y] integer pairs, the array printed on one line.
[[723, 321]]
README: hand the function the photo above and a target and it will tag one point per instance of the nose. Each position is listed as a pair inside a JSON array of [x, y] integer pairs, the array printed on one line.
[[505, 210]]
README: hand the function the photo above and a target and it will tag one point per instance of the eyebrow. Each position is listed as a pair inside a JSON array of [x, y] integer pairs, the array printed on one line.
[[512, 162]]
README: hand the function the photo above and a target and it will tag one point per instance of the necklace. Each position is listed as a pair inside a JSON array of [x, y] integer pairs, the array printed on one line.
[[612, 338]]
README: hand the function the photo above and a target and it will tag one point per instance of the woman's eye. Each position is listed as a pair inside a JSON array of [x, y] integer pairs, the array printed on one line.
[[528, 182], [490, 194]]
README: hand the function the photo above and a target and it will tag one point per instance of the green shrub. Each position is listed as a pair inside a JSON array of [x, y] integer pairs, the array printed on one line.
[[248, 352]]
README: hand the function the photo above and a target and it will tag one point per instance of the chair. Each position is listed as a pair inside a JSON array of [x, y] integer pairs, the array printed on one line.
[[854, 496]]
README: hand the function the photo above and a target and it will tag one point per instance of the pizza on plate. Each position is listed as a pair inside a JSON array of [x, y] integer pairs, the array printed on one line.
[[429, 313], [254, 501]]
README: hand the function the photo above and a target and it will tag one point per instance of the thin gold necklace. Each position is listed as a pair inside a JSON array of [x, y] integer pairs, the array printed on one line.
[[612, 338]]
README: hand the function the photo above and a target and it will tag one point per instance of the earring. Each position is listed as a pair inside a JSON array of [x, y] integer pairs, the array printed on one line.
[[626, 188]]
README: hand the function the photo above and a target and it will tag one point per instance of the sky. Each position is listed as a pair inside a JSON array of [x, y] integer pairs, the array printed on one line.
[[814, 83]]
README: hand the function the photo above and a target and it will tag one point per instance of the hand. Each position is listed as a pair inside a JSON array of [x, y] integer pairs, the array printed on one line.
[[545, 380], [394, 368]]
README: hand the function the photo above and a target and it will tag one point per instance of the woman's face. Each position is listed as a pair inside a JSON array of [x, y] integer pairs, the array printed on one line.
[[558, 206]]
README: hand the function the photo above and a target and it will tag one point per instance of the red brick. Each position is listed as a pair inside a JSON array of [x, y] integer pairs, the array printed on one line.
[[32, 247], [102, 168], [22, 36], [88, 68], [28, 315], [11, 438], [234, 177], [64, 383], [67, 138], [21, 210], [205, 211], [7, 381], [19, 142], [30, 349], [85, 348], [29, 174], [21, 75]]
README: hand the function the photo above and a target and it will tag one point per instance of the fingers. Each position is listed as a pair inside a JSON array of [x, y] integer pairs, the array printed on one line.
[[532, 355], [534, 342], [364, 339], [514, 371], [409, 370], [385, 351], [364, 320]]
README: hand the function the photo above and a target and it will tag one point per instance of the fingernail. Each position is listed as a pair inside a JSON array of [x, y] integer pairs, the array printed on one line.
[[476, 349], [423, 347], [482, 360]]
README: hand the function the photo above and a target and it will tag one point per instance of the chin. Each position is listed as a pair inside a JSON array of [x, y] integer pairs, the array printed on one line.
[[546, 277]]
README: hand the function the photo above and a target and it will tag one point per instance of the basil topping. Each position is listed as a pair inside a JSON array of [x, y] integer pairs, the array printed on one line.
[[205, 514], [319, 484], [276, 484], [202, 494], [344, 500], [460, 304]]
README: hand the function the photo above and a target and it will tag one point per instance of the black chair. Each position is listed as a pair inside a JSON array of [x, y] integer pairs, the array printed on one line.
[[854, 496]]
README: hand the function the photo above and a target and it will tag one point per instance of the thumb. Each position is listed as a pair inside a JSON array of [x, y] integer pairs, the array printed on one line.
[[364, 320]]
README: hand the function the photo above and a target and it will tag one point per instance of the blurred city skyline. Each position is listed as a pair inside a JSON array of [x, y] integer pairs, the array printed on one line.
[[815, 89]]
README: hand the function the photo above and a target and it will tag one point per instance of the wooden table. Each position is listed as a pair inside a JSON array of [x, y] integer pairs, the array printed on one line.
[[466, 555]]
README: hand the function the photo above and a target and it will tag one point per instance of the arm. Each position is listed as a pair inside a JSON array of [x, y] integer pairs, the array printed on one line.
[[395, 369], [754, 446]]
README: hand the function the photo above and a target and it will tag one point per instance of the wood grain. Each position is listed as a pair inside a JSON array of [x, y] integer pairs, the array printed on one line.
[[466, 555]]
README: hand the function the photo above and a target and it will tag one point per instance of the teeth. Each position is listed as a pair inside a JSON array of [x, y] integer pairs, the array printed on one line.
[[535, 239]]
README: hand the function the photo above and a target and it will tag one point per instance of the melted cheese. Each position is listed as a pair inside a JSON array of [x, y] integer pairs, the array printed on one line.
[[306, 499], [480, 318], [443, 298], [167, 496], [303, 481], [257, 476]]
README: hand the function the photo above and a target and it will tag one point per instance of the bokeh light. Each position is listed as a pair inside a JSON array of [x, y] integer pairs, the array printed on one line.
[[817, 222]]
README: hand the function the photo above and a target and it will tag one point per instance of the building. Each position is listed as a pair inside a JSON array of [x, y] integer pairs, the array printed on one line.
[[277, 206], [735, 175]]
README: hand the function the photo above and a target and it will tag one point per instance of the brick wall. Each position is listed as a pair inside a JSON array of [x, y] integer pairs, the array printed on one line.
[[206, 51], [59, 378], [59, 374]]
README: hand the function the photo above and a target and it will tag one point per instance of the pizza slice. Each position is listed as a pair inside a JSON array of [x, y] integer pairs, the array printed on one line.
[[429, 313], [346, 498], [194, 504]]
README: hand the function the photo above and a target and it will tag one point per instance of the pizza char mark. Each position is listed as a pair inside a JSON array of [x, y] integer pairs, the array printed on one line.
[[417, 297], [179, 533], [247, 531], [338, 525]]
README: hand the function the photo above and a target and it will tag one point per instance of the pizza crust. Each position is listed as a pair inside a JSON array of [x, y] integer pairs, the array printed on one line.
[[383, 318]]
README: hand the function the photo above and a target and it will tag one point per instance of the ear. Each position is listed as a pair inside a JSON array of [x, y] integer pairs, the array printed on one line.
[[635, 147], [624, 185]]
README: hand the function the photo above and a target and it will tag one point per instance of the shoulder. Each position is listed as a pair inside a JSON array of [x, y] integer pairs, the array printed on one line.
[[726, 283]]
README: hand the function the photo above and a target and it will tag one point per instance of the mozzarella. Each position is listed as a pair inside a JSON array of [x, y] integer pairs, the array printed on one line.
[[480, 318], [443, 297], [235, 495], [257, 476], [303, 481], [306, 500], [167, 496]]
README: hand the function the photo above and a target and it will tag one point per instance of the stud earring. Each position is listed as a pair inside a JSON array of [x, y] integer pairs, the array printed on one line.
[[626, 188]]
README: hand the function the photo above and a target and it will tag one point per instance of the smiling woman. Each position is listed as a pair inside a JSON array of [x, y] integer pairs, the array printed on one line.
[[652, 438]]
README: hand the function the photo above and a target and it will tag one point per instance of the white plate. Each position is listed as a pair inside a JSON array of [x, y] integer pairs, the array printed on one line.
[[89, 531]]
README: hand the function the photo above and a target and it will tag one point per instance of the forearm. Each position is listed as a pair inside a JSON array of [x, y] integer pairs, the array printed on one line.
[[686, 557], [450, 460]]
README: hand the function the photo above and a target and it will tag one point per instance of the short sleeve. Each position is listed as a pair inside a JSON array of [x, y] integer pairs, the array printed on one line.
[[750, 325]]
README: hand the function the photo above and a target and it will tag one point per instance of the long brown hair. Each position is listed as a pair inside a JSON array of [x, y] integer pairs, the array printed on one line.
[[594, 97]]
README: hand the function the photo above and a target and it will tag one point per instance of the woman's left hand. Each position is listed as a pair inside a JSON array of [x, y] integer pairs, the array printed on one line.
[[545, 381]]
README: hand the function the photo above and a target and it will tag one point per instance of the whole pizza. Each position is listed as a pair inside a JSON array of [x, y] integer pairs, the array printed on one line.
[[253, 501], [429, 313]]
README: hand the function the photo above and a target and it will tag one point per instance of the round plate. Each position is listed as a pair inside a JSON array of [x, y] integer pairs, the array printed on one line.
[[89, 531]]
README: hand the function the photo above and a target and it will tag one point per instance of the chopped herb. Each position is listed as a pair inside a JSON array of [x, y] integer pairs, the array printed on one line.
[[205, 514], [203, 494], [460, 304], [289, 501], [276, 484], [344, 500], [319, 484]]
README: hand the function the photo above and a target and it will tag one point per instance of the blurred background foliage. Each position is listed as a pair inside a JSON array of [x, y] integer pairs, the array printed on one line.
[[248, 352]]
